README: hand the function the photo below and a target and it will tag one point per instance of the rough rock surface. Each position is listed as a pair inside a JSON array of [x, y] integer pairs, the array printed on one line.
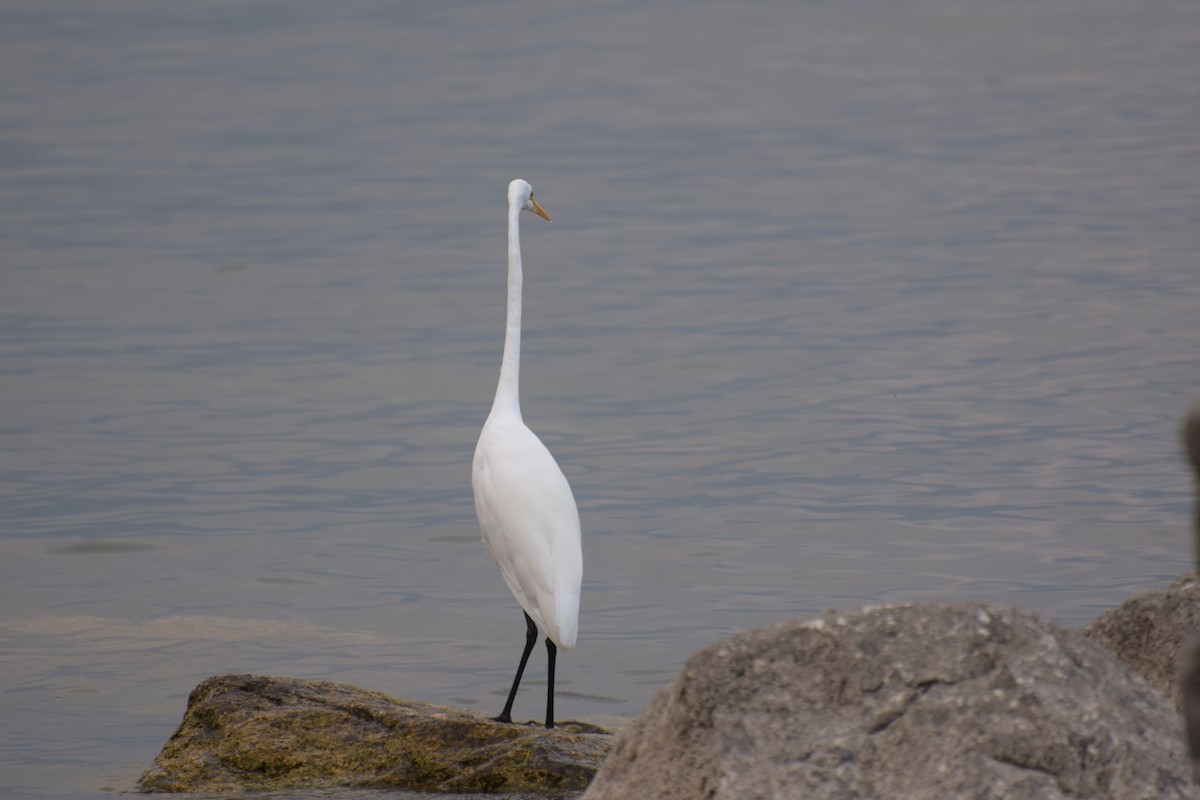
[[1150, 633], [1190, 682], [924, 701], [1190, 678], [253, 732]]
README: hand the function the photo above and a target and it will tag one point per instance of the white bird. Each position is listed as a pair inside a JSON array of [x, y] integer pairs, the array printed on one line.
[[525, 507]]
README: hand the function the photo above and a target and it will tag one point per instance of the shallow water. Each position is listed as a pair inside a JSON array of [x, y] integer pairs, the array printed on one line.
[[842, 304]]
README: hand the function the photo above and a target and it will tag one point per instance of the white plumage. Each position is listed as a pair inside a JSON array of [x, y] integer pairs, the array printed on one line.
[[530, 525], [526, 511]]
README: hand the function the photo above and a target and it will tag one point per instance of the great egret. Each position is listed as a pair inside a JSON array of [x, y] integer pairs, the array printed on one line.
[[525, 507]]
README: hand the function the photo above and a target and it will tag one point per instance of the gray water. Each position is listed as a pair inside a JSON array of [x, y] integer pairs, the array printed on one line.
[[842, 303]]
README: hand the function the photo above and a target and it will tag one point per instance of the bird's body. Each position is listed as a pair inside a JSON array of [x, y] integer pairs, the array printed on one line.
[[534, 534], [526, 511]]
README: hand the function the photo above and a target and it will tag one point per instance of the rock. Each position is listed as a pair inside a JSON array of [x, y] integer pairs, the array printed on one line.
[[946, 701], [1190, 689], [1189, 680], [1156, 633], [1150, 631], [252, 732]]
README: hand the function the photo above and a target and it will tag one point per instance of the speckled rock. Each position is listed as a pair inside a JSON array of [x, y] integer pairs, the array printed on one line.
[[1190, 678], [254, 732], [1151, 631], [946, 701]]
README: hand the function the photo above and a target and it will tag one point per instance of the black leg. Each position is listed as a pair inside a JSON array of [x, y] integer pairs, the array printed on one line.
[[551, 652], [530, 640]]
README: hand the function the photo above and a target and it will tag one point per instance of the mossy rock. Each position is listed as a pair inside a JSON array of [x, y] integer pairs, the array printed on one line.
[[255, 733]]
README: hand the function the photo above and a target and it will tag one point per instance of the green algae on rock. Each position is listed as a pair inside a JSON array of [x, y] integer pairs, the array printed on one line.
[[255, 732]]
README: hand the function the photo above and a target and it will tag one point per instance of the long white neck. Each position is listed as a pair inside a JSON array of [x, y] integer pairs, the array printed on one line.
[[508, 390]]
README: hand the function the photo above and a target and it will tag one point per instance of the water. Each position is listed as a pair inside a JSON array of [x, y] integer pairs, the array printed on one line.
[[842, 304]]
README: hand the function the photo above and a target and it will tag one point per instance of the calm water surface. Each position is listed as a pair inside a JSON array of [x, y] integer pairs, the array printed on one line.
[[843, 303]]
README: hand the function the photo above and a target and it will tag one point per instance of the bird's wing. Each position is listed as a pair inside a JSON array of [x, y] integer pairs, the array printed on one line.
[[530, 523]]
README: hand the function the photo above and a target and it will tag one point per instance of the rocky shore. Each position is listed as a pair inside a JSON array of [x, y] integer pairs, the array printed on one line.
[[892, 702]]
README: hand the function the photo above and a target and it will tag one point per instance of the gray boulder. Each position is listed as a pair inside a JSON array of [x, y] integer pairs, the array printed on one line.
[[923, 701], [1150, 633], [1190, 680], [1190, 669], [261, 733]]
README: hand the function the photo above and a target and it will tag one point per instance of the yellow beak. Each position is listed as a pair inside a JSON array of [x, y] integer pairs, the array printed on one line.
[[537, 208]]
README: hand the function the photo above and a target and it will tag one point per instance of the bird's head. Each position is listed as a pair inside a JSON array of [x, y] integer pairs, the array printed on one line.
[[521, 194]]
